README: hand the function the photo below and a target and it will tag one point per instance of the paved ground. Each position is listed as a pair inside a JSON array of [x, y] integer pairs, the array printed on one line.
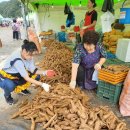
[[7, 41], [8, 47]]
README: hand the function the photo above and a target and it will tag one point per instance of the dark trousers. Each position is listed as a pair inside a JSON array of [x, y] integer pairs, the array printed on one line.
[[80, 76], [15, 35]]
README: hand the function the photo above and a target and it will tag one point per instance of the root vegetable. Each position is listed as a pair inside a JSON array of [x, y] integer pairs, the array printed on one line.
[[57, 60], [64, 123], [49, 122], [107, 115], [121, 126], [33, 124], [15, 115], [66, 127], [98, 125], [86, 127], [49, 112], [57, 127], [69, 116], [45, 115], [40, 120], [66, 111]]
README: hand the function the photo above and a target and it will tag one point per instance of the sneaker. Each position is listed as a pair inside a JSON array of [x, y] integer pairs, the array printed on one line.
[[9, 100], [25, 92]]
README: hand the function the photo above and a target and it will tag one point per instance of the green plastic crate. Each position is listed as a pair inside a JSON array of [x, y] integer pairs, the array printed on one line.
[[109, 91]]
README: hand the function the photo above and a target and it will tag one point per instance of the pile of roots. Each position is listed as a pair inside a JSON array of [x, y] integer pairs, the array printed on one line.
[[58, 57], [67, 109]]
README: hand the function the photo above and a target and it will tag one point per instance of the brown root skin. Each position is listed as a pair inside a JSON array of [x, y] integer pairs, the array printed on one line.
[[49, 122], [56, 111], [98, 125], [33, 124], [121, 126], [56, 60]]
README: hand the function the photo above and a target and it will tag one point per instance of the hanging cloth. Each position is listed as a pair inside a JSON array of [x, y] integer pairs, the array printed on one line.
[[108, 6], [70, 19]]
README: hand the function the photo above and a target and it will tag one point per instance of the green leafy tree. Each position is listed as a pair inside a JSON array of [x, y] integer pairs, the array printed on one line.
[[11, 9]]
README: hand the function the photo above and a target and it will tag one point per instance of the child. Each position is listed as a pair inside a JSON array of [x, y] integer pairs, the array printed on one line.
[[62, 34]]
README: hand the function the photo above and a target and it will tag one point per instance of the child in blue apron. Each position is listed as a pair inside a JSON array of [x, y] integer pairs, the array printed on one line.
[[62, 36], [88, 59]]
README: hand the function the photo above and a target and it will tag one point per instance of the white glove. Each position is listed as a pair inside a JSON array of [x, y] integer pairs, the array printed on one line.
[[44, 73], [46, 87], [72, 84], [97, 67]]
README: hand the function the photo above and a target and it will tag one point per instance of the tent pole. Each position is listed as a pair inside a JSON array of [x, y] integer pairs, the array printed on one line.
[[24, 17]]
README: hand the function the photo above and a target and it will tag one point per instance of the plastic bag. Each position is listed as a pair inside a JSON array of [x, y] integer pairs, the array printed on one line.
[[125, 97], [66, 9], [95, 76], [106, 20]]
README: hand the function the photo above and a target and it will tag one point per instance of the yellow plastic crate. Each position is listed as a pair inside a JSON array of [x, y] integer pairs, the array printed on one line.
[[112, 78]]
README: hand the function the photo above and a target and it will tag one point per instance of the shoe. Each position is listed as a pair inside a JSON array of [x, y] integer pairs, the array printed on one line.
[[9, 100], [25, 92]]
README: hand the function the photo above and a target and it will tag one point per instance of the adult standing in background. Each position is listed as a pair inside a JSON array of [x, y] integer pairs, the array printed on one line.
[[19, 31], [15, 29], [90, 17]]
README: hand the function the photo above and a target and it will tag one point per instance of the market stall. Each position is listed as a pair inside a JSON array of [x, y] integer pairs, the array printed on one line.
[[64, 108]]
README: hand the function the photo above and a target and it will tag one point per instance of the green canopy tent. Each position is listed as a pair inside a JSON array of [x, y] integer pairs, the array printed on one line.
[[36, 3], [44, 6], [71, 2]]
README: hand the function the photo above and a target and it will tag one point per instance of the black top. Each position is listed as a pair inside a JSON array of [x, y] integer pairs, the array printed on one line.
[[94, 15]]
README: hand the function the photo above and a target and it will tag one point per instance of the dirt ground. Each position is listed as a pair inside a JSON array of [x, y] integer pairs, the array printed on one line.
[[8, 47]]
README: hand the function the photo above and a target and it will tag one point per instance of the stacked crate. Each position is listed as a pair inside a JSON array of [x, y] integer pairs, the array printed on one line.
[[111, 82]]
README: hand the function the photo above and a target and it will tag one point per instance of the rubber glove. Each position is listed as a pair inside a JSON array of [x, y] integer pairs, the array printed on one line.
[[49, 73], [46, 87], [72, 84], [97, 66]]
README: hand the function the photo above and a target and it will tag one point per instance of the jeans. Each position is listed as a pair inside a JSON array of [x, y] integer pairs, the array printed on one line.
[[15, 35], [9, 85]]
